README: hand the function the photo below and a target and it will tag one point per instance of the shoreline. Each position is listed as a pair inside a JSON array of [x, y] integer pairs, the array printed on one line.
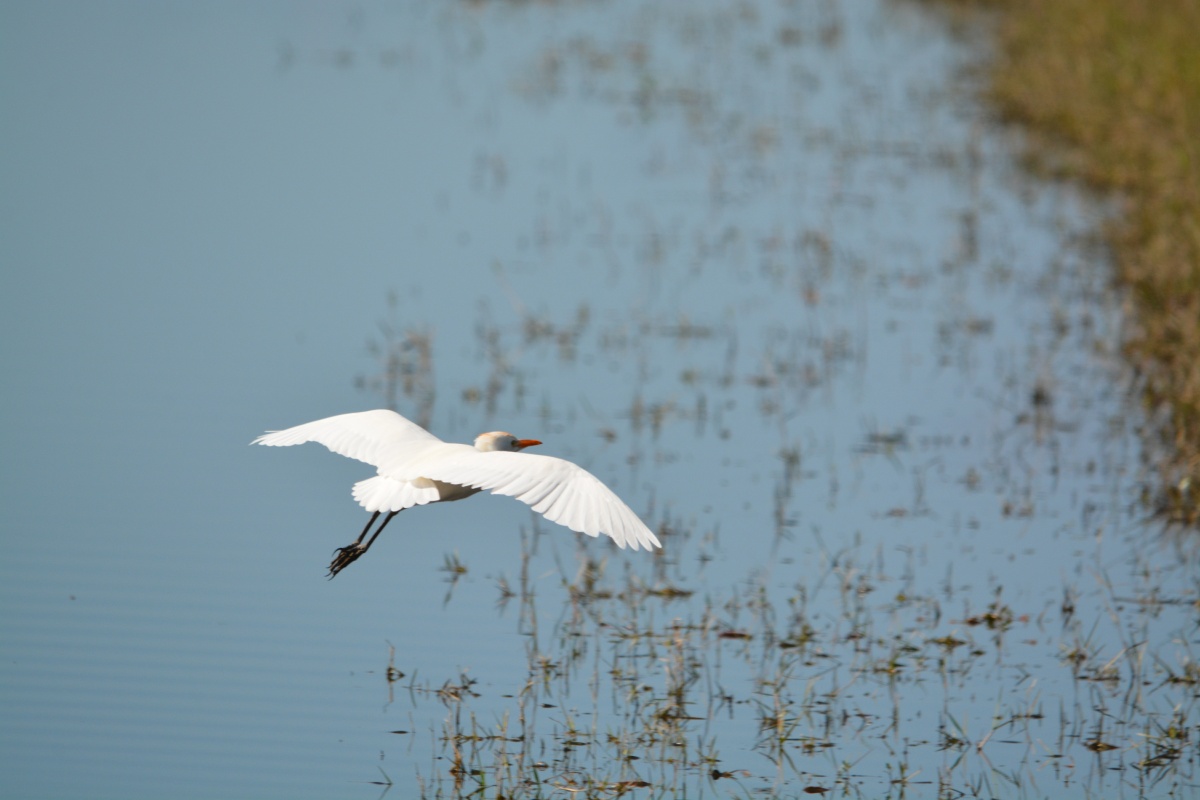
[[1107, 93]]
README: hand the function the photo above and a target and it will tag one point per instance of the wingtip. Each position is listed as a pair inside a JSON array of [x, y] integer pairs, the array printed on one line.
[[265, 439], [648, 540]]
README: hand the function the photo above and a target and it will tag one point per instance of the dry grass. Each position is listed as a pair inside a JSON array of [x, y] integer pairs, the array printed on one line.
[[1109, 91]]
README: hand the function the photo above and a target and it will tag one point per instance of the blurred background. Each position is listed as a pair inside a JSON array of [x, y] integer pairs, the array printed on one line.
[[767, 269]]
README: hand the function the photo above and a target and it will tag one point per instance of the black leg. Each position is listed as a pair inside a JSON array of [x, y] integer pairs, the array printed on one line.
[[382, 525], [345, 556], [370, 522]]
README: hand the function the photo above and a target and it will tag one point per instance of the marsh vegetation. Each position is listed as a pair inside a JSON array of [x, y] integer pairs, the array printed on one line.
[[890, 446], [769, 270], [1108, 93]]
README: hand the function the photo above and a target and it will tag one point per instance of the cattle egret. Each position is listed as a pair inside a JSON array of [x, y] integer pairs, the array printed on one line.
[[415, 468]]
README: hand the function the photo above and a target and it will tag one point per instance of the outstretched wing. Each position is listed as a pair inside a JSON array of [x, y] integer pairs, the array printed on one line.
[[376, 437], [559, 490]]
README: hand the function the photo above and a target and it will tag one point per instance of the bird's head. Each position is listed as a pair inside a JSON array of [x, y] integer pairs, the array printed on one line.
[[501, 440]]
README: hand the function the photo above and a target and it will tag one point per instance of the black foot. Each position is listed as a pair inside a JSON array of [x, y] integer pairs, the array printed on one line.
[[344, 557]]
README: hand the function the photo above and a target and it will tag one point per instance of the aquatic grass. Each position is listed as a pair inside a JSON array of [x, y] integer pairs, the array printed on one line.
[[1108, 92], [405, 365], [672, 684], [840, 662]]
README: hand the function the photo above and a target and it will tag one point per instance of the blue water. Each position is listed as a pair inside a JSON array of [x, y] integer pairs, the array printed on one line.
[[673, 242]]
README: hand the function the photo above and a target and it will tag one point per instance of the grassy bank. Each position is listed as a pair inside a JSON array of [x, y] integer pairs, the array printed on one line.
[[1109, 91]]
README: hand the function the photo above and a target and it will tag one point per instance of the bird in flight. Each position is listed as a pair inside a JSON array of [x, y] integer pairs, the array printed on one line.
[[416, 468]]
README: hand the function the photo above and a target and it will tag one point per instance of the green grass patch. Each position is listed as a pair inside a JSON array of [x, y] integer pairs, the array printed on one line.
[[1109, 91]]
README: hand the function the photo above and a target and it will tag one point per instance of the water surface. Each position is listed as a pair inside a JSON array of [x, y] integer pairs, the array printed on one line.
[[766, 269]]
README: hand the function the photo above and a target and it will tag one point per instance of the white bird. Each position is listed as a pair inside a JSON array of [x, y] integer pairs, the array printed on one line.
[[415, 468]]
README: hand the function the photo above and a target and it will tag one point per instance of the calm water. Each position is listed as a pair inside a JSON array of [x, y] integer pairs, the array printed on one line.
[[766, 269]]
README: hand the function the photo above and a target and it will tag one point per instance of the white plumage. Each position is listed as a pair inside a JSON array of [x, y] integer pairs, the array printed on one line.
[[415, 468]]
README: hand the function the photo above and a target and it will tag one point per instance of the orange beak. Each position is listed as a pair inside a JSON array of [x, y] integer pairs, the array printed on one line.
[[523, 443]]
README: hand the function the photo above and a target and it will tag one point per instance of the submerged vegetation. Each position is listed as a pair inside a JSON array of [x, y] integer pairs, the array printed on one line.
[[891, 458], [862, 682], [858, 665], [1109, 91]]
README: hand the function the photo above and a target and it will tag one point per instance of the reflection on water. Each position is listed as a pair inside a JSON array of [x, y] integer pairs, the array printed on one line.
[[763, 268]]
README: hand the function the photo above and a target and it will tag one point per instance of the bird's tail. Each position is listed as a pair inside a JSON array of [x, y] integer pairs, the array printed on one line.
[[388, 494]]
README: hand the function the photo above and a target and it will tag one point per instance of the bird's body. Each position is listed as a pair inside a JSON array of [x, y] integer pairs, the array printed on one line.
[[416, 468]]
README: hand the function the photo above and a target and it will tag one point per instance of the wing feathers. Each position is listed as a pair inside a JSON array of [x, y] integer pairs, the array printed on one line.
[[375, 437], [549, 498], [556, 489]]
